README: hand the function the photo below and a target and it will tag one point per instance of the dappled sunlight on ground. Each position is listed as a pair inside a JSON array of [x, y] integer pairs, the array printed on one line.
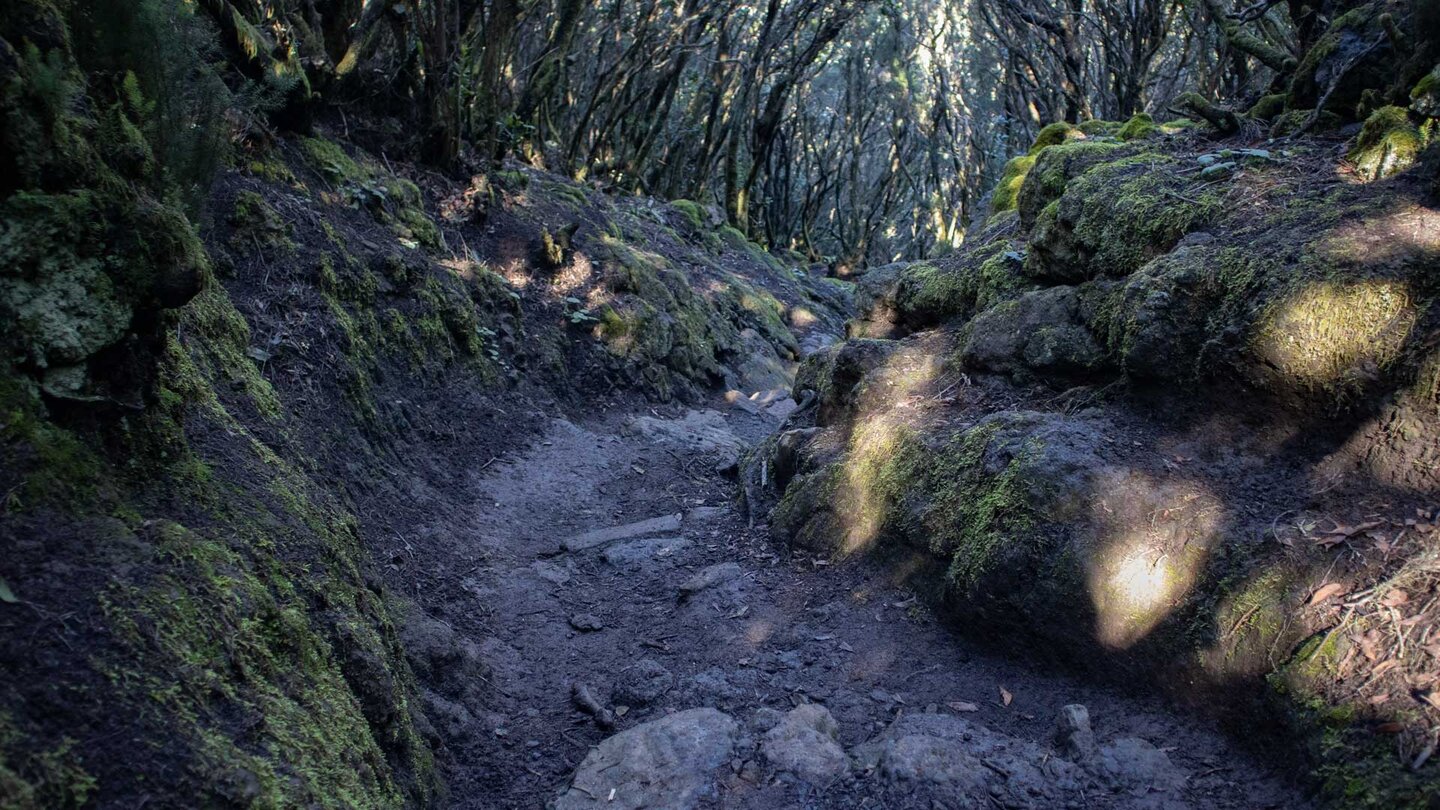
[[579, 272], [598, 297], [759, 631], [1155, 539], [461, 266], [515, 272]]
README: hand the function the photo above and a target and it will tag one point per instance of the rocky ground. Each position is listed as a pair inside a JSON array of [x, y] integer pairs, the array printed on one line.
[[643, 643]]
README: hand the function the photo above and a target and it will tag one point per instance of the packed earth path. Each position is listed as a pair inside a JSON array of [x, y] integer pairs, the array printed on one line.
[[642, 642]]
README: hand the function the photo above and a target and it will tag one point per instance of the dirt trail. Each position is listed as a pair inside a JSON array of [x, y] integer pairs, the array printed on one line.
[[770, 632]]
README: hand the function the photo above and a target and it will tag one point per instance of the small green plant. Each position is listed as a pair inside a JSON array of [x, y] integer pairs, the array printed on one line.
[[577, 313]]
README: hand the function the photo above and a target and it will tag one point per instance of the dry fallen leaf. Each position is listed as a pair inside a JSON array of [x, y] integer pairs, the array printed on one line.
[[1384, 667], [1350, 531], [1395, 598], [962, 706], [1005, 696], [1370, 645], [1326, 591]]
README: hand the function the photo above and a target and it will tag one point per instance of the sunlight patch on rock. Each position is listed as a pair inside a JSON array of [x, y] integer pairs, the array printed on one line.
[[1332, 335], [1157, 536]]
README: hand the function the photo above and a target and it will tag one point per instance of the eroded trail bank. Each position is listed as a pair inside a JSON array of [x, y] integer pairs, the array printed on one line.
[[629, 622]]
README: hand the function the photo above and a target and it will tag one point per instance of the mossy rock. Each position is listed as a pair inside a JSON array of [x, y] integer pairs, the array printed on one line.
[[1053, 168], [66, 306], [1005, 197], [1041, 331], [958, 286], [1389, 143], [1353, 55], [1268, 108], [1099, 128], [836, 372], [672, 338], [1140, 125], [981, 500], [1425, 96], [93, 243], [693, 213], [1294, 305], [1007, 191], [1290, 122], [1116, 216], [1053, 134]]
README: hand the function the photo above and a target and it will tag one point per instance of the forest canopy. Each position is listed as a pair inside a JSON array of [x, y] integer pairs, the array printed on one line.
[[851, 131]]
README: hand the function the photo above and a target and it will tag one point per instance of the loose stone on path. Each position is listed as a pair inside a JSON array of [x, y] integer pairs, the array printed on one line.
[[667, 763], [600, 537]]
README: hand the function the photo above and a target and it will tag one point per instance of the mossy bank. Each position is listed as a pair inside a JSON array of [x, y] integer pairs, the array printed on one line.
[[1132, 425]]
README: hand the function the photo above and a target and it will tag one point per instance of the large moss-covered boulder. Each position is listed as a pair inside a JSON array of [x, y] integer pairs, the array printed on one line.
[[1140, 125], [1155, 323], [1027, 518], [960, 285], [1116, 216], [1319, 318], [1354, 54], [1041, 331], [1053, 169]]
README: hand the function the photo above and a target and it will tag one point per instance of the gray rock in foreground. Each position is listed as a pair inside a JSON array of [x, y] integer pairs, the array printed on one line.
[[667, 763], [709, 577], [967, 762], [804, 743]]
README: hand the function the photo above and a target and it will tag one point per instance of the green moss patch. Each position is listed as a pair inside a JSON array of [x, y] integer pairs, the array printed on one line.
[[1053, 169], [362, 183], [1053, 134], [1007, 191], [927, 294], [1389, 143], [1115, 217], [1141, 125]]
